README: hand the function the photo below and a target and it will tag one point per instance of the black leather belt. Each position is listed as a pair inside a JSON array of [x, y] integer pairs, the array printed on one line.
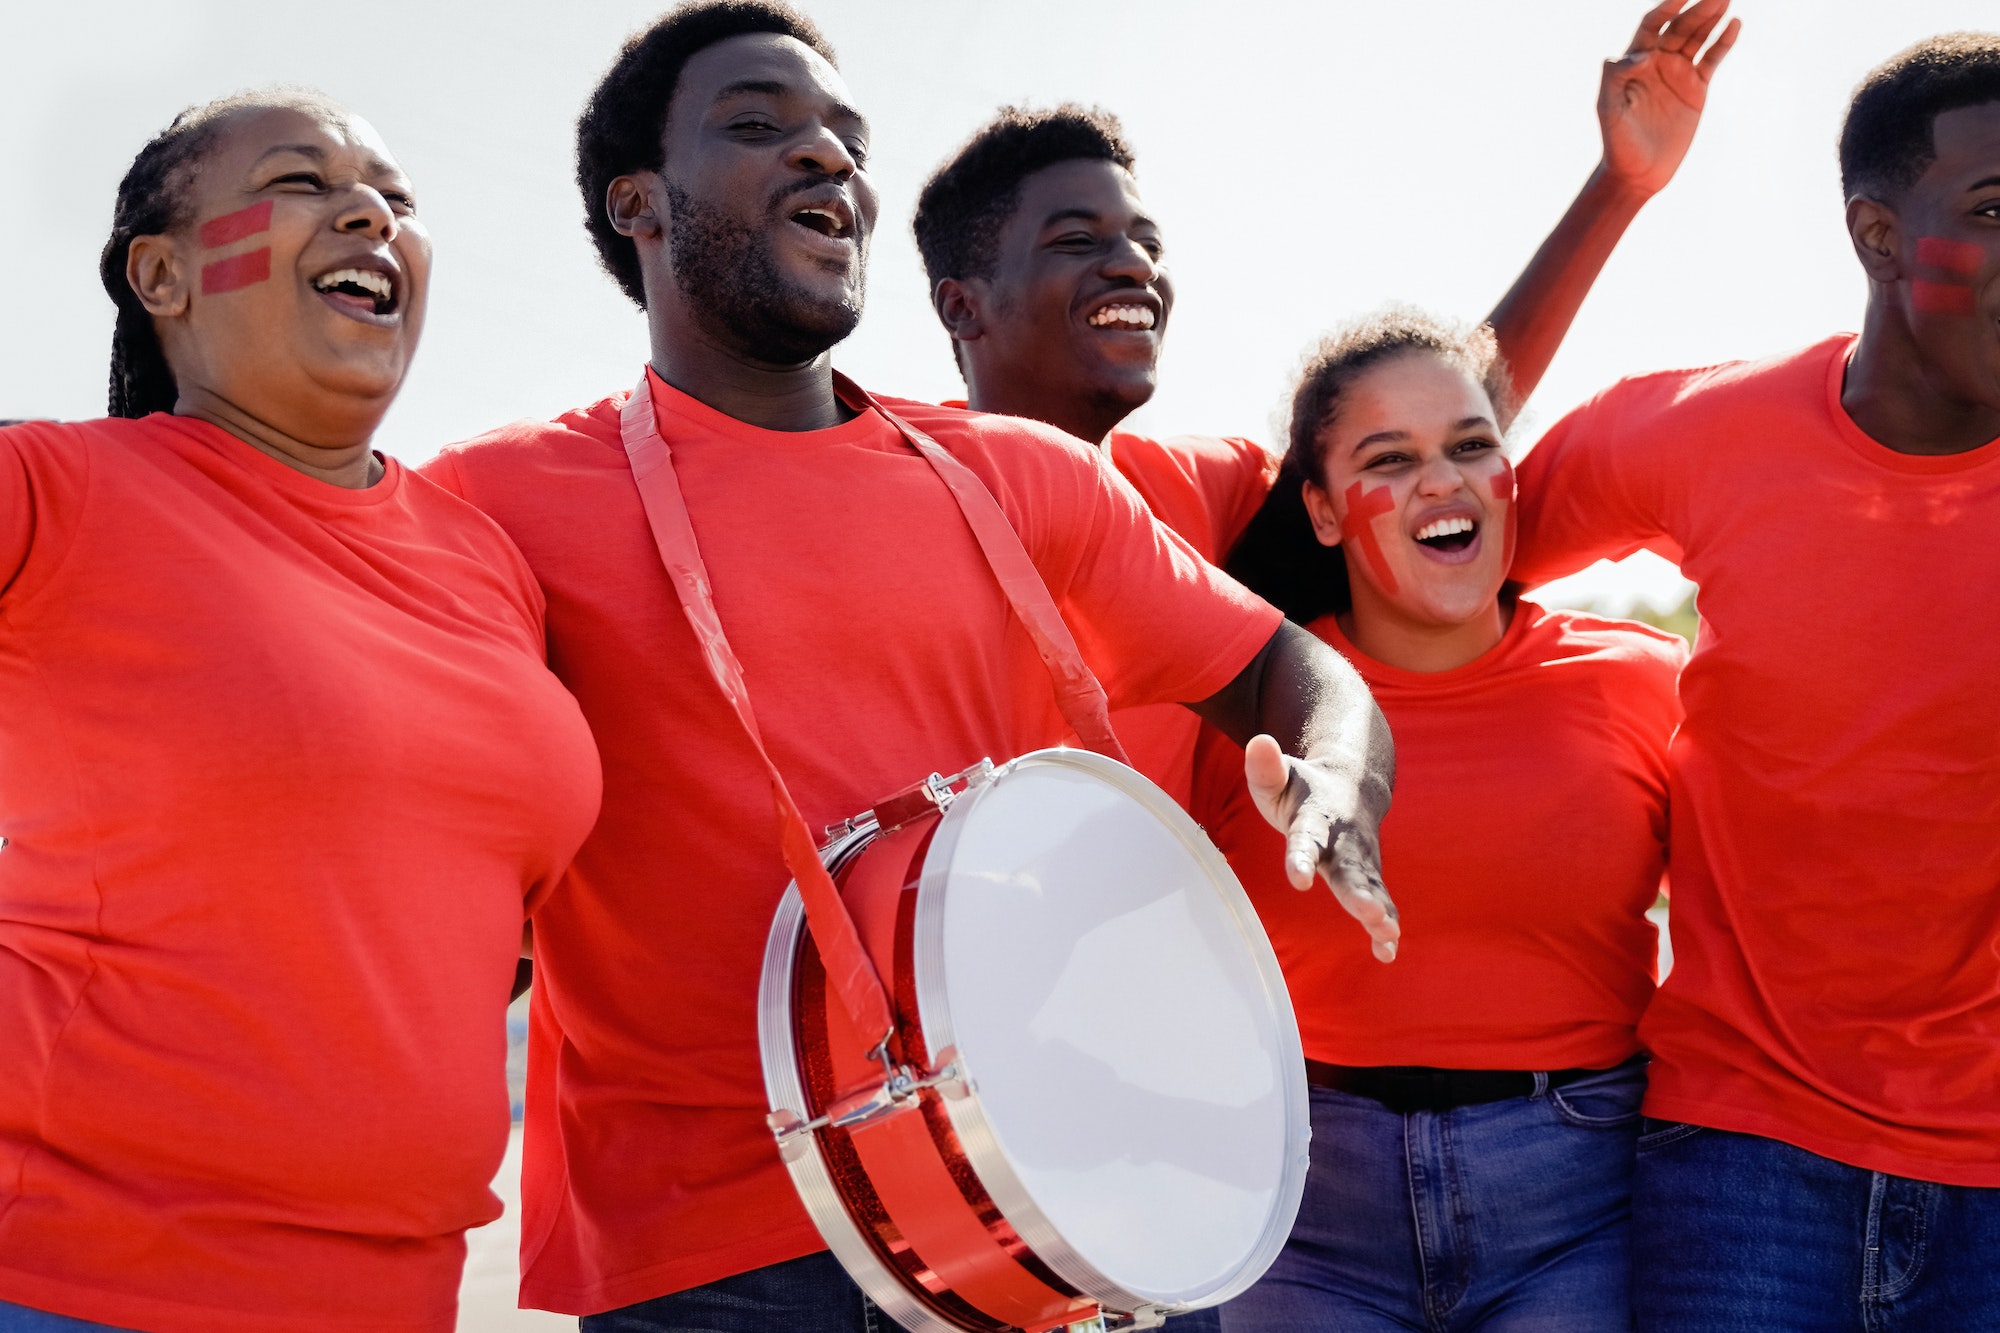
[[1407, 1088]]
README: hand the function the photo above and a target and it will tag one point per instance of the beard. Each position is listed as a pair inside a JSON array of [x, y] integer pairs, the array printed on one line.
[[733, 282]]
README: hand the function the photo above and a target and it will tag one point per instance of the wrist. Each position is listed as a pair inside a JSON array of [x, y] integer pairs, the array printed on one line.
[[1612, 193]]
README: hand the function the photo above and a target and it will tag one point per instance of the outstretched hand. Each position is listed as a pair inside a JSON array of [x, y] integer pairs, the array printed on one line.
[[1650, 99], [1329, 827]]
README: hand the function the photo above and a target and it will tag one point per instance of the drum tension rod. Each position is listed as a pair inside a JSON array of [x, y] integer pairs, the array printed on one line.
[[898, 1091], [935, 792]]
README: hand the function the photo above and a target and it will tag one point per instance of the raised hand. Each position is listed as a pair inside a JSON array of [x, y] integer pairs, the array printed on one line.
[[1650, 99], [1329, 826]]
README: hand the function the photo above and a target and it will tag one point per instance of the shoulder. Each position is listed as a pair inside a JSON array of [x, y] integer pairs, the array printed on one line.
[[508, 454], [1728, 384], [1011, 454]]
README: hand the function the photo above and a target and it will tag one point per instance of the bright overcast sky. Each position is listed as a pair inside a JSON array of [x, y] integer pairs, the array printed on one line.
[[1308, 160]]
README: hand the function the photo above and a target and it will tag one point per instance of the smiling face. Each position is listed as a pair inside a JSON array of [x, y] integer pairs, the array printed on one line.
[[1416, 488], [1068, 327], [1948, 244], [296, 293], [767, 202]]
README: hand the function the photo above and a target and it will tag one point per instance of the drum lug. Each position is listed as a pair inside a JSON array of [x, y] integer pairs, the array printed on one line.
[[1146, 1316], [935, 792], [899, 1092]]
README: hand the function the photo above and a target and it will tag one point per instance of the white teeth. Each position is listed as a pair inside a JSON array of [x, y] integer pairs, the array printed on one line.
[[1123, 316], [375, 284], [831, 217], [1445, 527]]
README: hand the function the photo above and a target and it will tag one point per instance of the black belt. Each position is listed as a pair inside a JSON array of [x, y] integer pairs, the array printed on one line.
[[1407, 1088]]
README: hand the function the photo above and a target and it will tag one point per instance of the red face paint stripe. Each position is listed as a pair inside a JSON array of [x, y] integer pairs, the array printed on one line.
[[1359, 527], [226, 275], [1940, 298], [232, 227], [1961, 259]]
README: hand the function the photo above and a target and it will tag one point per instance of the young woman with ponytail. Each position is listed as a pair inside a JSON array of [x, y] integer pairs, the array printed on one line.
[[1475, 1106], [280, 765]]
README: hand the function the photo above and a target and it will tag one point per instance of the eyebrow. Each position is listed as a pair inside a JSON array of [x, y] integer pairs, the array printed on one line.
[[313, 151], [1982, 184], [1394, 436], [1090, 215], [773, 88]]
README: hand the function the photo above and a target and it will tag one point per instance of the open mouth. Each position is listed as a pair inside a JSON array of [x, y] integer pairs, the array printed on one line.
[[361, 289], [828, 222], [1447, 534], [1138, 318]]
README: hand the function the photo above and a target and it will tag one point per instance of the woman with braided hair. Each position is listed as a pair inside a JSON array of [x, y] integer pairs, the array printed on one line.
[[280, 768]]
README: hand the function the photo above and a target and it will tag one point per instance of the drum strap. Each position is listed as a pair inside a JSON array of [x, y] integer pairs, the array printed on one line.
[[1078, 693]]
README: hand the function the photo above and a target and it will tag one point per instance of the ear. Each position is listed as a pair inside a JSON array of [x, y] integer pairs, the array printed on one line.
[[1319, 508], [153, 268], [629, 202], [1877, 237], [958, 303]]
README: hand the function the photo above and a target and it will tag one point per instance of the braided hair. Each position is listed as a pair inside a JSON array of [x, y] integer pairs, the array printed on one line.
[[152, 201]]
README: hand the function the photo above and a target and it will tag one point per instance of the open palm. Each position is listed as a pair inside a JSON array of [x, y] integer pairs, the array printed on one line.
[[1650, 99]]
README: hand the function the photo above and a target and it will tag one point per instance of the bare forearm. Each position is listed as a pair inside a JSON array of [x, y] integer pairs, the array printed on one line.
[[1535, 315], [1307, 697]]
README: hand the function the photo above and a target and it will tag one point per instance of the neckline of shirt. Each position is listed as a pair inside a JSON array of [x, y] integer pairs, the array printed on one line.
[[282, 476], [1840, 352], [669, 401], [1527, 616]]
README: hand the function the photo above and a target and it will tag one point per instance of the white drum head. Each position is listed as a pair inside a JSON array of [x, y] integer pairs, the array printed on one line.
[[1133, 1055]]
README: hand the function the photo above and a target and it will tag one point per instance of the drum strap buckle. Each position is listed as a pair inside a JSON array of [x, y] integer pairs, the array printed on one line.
[[897, 1092]]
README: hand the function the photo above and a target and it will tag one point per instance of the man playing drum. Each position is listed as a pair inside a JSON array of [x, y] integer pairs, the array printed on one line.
[[726, 187], [1049, 273]]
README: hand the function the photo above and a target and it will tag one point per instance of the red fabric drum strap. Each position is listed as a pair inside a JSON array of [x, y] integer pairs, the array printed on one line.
[[1078, 693]]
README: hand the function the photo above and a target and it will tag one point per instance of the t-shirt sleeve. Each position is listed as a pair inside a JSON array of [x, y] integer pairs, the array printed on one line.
[[1237, 480], [1606, 480], [1157, 622], [43, 471]]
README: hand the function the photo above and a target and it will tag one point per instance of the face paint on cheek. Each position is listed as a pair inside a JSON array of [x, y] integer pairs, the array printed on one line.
[[1357, 527], [237, 271], [1503, 494], [233, 227], [1959, 263]]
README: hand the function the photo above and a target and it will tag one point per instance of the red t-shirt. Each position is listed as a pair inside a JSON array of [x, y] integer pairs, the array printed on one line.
[[1523, 848], [1206, 488], [1836, 786], [278, 763], [878, 648]]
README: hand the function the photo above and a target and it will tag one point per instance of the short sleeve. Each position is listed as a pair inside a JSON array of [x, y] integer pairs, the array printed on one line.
[[1237, 479], [44, 467], [1159, 623], [1605, 481]]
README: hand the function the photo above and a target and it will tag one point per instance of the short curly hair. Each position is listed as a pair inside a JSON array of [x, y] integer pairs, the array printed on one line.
[[969, 199], [624, 123], [1886, 142]]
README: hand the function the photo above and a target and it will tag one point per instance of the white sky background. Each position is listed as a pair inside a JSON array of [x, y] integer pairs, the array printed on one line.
[[1308, 160]]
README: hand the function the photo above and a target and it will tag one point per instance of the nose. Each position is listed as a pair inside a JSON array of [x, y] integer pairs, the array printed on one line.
[[823, 153], [365, 212], [1438, 477], [1126, 258]]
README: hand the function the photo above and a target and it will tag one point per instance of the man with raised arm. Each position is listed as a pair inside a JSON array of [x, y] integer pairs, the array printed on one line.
[[1824, 1151], [725, 182], [1050, 274]]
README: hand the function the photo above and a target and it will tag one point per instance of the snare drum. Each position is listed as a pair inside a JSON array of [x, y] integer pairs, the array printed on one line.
[[1094, 1105]]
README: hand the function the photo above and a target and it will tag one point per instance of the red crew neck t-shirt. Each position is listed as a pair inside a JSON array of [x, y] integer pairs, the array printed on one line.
[[279, 762], [1524, 846], [878, 648], [1206, 488], [1836, 786]]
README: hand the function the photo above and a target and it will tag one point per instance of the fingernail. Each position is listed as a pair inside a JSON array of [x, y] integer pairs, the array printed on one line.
[[1389, 952]]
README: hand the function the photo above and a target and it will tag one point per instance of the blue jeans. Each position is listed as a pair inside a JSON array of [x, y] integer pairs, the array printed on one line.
[[1733, 1233], [809, 1295], [1500, 1217], [21, 1319]]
